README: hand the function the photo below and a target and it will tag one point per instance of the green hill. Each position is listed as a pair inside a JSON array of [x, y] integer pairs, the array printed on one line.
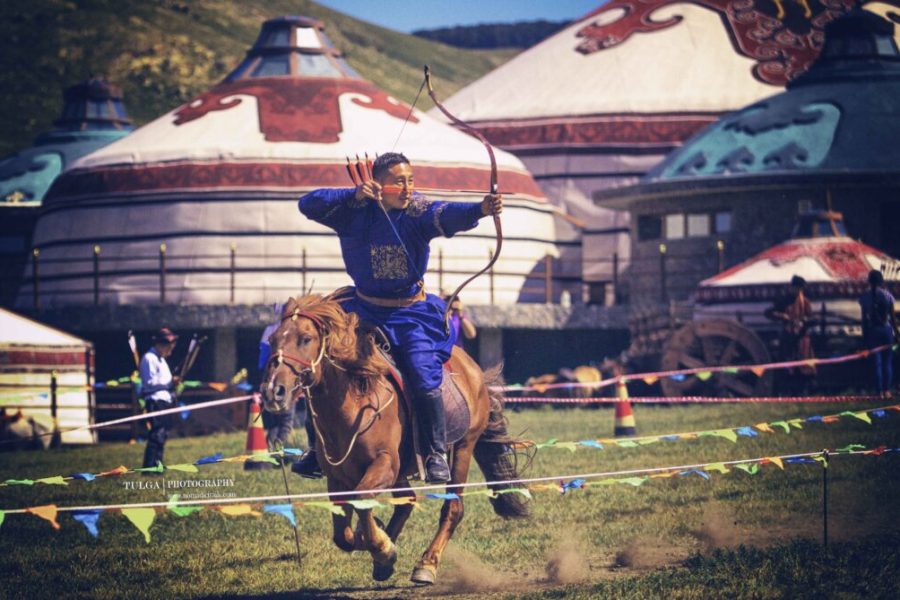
[[163, 52]]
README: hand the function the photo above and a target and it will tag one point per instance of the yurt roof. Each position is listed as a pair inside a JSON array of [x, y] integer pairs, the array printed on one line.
[[93, 116], [841, 116], [16, 330], [287, 118], [654, 56]]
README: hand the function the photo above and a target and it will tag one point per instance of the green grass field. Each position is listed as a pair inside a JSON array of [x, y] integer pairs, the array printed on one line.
[[735, 535]]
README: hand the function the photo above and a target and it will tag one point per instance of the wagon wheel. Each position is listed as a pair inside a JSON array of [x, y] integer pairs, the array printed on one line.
[[711, 343]]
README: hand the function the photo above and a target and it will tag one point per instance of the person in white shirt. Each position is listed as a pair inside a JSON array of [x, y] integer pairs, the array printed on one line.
[[157, 390]]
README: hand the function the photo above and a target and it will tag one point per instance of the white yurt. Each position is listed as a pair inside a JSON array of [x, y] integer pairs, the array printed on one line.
[[598, 104], [31, 355], [200, 205]]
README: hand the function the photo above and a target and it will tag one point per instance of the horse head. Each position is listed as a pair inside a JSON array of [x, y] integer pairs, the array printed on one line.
[[298, 347]]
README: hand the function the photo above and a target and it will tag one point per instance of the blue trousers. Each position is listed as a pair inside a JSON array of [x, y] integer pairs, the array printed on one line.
[[883, 361], [418, 339]]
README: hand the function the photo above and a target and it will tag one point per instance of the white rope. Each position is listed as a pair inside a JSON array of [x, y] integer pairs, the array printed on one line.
[[448, 487]]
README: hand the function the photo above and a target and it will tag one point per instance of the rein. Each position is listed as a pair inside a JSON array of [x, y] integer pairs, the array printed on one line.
[[281, 357]]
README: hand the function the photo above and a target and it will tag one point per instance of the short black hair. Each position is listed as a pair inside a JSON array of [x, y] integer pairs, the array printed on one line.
[[876, 278], [385, 162], [798, 281]]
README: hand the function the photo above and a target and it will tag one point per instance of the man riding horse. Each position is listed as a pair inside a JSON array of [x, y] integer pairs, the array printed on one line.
[[385, 250]]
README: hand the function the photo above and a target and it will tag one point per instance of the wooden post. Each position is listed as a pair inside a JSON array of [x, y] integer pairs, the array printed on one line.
[[548, 279], [720, 255], [162, 273], [36, 279], [89, 383], [615, 278], [231, 271], [663, 292], [303, 269], [491, 274], [54, 388], [825, 498], [822, 319], [96, 275]]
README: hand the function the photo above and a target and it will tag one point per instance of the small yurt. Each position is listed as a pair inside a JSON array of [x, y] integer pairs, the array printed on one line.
[[32, 356], [834, 266], [200, 205]]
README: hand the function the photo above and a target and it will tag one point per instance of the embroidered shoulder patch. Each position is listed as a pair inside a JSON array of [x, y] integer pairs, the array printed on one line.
[[437, 218], [417, 206], [388, 262]]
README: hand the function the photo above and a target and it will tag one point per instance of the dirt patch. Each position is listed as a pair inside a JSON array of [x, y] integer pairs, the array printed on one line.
[[718, 529], [649, 553], [567, 561], [462, 572]]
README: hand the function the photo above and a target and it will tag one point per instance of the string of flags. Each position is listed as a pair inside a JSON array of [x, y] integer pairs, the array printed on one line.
[[143, 516], [701, 373], [732, 434]]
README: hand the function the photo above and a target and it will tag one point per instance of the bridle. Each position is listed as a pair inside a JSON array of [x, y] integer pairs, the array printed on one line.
[[308, 368], [305, 374]]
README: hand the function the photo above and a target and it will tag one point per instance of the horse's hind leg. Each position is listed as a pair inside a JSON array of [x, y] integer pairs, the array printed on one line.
[[425, 571]]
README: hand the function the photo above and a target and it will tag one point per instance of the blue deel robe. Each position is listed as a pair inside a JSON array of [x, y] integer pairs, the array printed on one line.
[[379, 267]]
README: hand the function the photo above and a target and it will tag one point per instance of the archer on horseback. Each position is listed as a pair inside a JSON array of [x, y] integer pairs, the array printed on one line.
[[385, 248]]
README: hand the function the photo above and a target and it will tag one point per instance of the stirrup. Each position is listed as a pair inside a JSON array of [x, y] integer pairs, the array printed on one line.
[[436, 469], [308, 466]]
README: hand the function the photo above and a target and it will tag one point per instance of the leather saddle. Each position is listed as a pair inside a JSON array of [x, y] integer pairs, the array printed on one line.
[[456, 410]]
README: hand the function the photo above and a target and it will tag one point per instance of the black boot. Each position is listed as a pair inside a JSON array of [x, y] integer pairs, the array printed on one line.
[[308, 465], [430, 408]]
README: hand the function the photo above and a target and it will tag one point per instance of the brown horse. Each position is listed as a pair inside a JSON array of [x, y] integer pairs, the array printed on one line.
[[364, 434]]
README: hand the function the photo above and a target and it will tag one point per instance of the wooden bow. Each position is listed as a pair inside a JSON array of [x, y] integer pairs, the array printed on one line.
[[498, 228]]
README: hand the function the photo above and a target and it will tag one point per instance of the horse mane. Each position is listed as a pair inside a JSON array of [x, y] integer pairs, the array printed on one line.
[[349, 345]]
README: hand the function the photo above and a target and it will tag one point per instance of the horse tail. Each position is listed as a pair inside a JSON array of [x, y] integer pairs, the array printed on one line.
[[496, 457]]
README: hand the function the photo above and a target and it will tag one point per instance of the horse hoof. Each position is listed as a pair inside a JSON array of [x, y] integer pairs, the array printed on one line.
[[382, 571], [424, 575]]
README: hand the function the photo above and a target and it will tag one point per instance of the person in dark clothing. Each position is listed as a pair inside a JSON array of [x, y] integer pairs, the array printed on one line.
[[794, 311], [879, 325], [157, 391]]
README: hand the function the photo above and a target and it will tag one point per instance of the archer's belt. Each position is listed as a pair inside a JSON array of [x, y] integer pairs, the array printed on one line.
[[392, 302]]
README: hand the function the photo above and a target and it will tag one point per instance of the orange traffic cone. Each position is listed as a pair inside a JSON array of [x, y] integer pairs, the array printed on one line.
[[256, 438], [624, 417]]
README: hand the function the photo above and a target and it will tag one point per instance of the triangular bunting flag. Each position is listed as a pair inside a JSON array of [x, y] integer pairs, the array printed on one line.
[[56, 480], [48, 512], [775, 461], [206, 460], [329, 506], [89, 519], [704, 375], [437, 496], [366, 504], [285, 510], [758, 371], [184, 511], [650, 379], [237, 510], [142, 518], [750, 468], [186, 467]]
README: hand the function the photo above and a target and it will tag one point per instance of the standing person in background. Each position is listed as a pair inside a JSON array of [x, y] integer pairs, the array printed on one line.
[[460, 325], [157, 390], [879, 325], [794, 311]]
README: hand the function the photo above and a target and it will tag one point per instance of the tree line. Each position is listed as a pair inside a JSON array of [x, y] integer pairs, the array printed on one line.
[[494, 35]]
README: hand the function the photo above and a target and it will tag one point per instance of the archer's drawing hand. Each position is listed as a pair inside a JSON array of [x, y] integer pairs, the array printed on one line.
[[369, 189], [492, 205]]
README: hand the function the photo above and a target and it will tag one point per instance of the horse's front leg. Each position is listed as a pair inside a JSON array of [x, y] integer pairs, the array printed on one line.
[[425, 571], [382, 473], [342, 533], [401, 511]]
